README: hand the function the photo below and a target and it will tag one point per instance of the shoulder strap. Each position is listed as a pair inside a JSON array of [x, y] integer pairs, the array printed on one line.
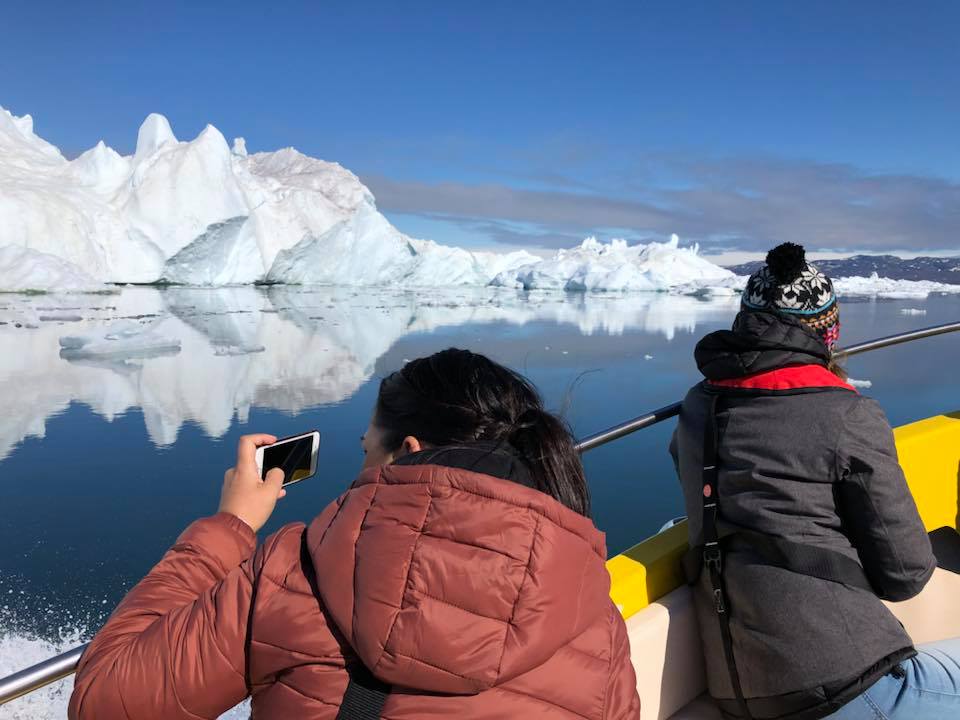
[[365, 695], [712, 553], [797, 557]]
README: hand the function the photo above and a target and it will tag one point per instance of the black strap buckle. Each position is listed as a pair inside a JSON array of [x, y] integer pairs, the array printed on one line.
[[712, 558]]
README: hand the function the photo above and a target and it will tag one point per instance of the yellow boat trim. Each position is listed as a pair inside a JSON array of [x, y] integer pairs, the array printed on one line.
[[929, 452]]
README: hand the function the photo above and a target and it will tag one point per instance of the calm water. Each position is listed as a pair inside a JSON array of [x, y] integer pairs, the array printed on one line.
[[105, 458]]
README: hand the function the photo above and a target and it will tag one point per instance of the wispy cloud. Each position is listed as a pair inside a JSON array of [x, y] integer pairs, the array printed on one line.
[[742, 203]]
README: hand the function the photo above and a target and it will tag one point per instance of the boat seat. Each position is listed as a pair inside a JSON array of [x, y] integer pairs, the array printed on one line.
[[668, 659], [667, 656]]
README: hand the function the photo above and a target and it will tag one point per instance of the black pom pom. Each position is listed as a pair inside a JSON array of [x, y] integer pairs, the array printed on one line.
[[786, 262]]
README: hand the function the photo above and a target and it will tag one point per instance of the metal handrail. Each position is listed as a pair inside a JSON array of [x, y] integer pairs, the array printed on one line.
[[60, 666], [40, 675], [668, 411]]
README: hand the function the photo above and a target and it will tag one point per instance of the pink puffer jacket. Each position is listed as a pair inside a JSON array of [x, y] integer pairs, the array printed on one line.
[[473, 596]]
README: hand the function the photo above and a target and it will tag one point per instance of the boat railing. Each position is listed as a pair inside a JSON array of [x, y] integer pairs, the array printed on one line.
[[58, 667], [668, 411]]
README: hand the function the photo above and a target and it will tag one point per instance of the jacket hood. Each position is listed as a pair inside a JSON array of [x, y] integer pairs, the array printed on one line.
[[759, 341], [445, 579]]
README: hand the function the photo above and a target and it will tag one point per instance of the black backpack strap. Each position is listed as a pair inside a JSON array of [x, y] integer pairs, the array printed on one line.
[[365, 695], [797, 557], [804, 559], [712, 553]]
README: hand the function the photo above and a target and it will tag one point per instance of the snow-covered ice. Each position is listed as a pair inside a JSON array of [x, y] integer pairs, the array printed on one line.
[[597, 266], [896, 289], [23, 269]]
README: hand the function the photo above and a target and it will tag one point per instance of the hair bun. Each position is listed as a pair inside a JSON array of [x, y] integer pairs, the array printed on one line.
[[787, 262]]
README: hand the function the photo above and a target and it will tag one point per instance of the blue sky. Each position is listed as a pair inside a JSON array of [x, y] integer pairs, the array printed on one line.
[[537, 123]]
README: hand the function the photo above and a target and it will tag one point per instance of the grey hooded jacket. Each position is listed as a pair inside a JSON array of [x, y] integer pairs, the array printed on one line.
[[814, 465]]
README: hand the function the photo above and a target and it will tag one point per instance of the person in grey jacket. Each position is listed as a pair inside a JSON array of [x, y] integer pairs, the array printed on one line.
[[801, 521]]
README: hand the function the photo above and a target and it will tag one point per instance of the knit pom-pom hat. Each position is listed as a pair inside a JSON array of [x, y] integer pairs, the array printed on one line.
[[788, 284]]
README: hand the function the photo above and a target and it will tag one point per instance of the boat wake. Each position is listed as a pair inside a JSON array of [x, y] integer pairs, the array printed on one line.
[[18, 651]]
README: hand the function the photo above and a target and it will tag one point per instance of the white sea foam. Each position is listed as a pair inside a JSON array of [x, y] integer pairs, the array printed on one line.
[[19, 651]]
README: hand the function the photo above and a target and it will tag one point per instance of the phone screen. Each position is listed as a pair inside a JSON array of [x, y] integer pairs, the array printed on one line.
[[292, 457]]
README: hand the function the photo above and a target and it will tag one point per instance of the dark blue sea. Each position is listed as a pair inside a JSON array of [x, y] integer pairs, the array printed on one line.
[[111, 445]]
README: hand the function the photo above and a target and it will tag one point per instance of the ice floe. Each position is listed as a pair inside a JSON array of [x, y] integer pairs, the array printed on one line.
[[896, 289]]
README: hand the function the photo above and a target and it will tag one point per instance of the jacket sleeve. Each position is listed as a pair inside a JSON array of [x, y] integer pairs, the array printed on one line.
[[623, 702], [878, 512], [175, 646]]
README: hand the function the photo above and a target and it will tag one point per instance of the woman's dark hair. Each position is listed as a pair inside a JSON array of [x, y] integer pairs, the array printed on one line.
[[456, 396]]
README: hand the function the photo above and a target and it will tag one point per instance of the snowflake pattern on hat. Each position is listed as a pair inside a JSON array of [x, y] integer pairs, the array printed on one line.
[[811, 292], [809, 297]]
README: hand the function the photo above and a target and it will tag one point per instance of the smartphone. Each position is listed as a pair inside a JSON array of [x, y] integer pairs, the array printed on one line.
[[295, 455]]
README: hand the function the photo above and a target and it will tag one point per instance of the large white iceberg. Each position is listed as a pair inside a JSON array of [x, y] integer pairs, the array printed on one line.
[[201, 213]]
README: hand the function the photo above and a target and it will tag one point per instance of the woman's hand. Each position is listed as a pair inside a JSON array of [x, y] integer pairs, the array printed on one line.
[[244, 494]]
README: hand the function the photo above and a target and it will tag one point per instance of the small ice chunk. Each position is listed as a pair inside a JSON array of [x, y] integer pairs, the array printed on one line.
[[913, 311], [648, 357], [122, 340], [860, 383]]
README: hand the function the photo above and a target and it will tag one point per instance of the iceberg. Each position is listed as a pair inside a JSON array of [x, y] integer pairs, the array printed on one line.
[[206, 213], [596, 266], [876, 286], [203, 213]]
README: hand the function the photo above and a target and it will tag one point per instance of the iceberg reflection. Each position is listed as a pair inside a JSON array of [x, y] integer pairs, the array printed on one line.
[[209, 355]]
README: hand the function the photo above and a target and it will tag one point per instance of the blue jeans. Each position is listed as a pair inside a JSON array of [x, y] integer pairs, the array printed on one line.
[[929, 689]]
